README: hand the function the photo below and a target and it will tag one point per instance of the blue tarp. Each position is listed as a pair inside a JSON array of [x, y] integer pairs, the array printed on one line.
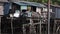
[[6, 8]]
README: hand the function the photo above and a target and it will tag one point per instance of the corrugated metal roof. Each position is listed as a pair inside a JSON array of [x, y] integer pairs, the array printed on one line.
[[30, 3], [52, 5], [3, 0], [14, 0]]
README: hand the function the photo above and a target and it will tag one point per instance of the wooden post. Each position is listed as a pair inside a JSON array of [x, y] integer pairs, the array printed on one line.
[[12, 24], [32, 28], [54, 28], [0, 24], [40, 27], [24, 30], [48, 16]]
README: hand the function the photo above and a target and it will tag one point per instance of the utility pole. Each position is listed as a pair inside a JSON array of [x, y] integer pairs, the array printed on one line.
[[48, 16]]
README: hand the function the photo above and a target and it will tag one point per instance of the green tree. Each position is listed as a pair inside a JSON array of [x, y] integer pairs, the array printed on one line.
[[45, 1], [58, 1]]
